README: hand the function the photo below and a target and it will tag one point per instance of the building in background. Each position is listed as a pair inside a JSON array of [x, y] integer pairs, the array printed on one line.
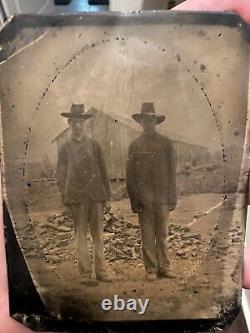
[[115, 135]]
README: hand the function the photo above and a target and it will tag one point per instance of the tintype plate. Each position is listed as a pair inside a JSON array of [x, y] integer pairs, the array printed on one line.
[[148, 111]]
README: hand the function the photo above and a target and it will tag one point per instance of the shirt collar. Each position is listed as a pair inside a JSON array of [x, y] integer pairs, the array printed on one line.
[[74, 139], [150, 137]]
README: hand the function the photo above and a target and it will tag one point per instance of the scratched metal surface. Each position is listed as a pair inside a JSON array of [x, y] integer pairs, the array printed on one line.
[[40, 80]]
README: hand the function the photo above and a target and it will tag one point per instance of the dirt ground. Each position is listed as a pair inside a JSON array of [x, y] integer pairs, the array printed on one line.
[[197, 292]]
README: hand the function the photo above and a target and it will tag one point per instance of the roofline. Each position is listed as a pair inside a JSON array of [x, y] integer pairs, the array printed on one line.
[[65, 130], [122, 120]]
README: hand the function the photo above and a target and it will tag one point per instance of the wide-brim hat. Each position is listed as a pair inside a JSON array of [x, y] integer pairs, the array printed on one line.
[[77, 111], [148, 110]]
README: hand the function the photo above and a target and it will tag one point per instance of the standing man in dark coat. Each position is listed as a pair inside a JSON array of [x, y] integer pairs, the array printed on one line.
[[151, 184], [84, 185]]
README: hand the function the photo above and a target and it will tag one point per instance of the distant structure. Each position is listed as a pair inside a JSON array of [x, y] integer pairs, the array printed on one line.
[[232, 154], [115, 135]]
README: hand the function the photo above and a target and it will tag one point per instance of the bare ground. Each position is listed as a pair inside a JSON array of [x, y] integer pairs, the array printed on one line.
[[197, 292]]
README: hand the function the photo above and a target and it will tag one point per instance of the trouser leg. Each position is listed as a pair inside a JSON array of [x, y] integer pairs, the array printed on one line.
[[80, 217], [147, 226], [161, 227], [96, 229]]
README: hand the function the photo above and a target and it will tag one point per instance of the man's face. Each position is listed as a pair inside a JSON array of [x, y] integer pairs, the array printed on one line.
[[77, 126], [148, 124]]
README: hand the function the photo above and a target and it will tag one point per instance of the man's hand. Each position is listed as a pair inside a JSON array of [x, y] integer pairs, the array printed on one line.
[[172, 207], [136, 207], [107, 206]]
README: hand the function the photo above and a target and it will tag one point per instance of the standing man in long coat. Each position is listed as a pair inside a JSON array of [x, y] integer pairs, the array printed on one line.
[[151, 184], [84, 185]]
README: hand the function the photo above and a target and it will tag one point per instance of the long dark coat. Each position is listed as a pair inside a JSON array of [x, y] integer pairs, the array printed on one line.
[[81, 172], [151, 171]]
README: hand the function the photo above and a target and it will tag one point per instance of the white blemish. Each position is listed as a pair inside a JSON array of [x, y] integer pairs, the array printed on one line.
[[26, 46], [196, 219]]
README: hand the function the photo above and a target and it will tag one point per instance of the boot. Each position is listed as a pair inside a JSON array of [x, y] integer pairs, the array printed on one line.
[[104, 276], [166, 274], [151, 276], [87, 281]]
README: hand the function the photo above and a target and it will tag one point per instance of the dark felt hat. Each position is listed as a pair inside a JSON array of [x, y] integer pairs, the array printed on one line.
[[77, 111], [148, 110]]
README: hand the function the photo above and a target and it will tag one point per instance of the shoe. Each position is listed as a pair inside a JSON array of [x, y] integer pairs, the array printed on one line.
[[104, 277], [151, 276], [167, 275], [87, 281]]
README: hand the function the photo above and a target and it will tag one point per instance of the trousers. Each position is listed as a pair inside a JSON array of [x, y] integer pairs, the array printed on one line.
[[154, 220], [89, 215]]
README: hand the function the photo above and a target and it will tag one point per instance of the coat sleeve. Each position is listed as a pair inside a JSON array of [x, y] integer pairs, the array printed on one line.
[[104, 171], [61, 170], [172, 176], [131, 179]]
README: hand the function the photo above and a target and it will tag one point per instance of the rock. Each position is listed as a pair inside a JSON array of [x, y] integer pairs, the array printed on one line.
[[195, 241], [63, 235], [60, 228], [45, 225], [236, 239], [222, 247], [62, 242], [121, 239], [116, 216], [196, 236], [188, 242], [60, 220], [181, 252], [42, 232], [45, 244], [107, 217], [188, 235]]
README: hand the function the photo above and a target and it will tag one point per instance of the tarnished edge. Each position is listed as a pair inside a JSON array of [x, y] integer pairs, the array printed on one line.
[[6, 201], [25, 47], [7, 22]]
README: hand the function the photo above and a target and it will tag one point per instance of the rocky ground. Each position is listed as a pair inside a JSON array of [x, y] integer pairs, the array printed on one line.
[[192, 231], [121, 238]]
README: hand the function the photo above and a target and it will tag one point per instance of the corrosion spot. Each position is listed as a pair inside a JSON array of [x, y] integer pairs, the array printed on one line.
[[203, 68], [202, 33]]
